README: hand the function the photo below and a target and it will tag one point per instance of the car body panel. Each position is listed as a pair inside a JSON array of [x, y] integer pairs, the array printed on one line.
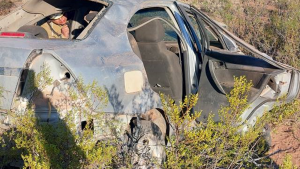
[[97, 58], [11, 65]]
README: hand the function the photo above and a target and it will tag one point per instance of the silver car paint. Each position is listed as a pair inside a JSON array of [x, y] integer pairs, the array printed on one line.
[[105, 55]]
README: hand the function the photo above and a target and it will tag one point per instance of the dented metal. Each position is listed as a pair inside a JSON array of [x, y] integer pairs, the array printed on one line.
[[106, 56]]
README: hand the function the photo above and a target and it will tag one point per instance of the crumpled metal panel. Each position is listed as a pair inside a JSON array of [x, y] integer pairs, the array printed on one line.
[[8, 84], [11, 64], [105, 55], [12, 58], [109, 56]]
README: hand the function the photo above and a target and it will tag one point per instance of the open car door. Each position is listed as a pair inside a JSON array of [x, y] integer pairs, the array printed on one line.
[[271, 80]]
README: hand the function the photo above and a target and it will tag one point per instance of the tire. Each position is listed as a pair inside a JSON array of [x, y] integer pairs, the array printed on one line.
[[146, 144]]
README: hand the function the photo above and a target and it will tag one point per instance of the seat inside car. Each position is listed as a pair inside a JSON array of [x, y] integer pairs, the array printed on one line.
[[36, 31], [162, 66]]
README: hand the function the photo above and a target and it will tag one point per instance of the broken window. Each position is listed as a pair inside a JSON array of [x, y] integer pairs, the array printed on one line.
[[54, 19]]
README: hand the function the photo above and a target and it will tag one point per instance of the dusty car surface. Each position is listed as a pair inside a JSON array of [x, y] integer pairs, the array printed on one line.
[[136, 49]]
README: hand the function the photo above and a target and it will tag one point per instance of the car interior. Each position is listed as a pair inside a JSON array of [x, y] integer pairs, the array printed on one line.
[[159, 49], [162, 61], [80, 13]]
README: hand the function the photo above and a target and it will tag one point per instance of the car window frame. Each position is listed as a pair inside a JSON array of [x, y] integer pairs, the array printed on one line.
[[191, 29], [202, 43], [194, 64], [162, 9], [93, 23], [197, 13], [183, 45]]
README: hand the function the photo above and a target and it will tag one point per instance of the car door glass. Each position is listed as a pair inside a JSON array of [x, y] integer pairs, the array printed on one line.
[[195, 26], [211, 35], [196, 33], [213, 38]]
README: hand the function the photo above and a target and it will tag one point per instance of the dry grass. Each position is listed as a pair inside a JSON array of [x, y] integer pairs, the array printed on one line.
[[5, 6], [270, 26]]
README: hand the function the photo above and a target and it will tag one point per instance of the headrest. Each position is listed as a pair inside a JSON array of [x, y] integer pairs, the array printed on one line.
[[151, 32], [36, 31], [89, 17]]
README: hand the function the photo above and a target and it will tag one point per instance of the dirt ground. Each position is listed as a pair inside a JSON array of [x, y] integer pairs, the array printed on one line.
[[6, 6], [286, 141]]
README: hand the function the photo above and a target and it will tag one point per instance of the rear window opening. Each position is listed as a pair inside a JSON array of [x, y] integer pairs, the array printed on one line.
[[41, 20]]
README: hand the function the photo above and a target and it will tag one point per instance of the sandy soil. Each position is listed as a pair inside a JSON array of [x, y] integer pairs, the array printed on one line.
[[286, 141]]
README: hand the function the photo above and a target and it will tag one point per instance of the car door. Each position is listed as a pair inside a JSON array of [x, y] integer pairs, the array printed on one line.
[[219, 67]]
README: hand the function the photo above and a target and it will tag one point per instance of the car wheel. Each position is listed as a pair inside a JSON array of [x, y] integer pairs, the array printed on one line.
[[145, 143]]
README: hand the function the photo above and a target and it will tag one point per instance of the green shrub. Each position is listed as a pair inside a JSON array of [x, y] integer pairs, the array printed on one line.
[[192, 144], [63, 144], [217, 144], [210, 144], [283, 111], [287, 163]]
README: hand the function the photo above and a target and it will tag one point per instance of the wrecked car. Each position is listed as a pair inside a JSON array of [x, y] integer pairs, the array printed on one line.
[[136, 49]]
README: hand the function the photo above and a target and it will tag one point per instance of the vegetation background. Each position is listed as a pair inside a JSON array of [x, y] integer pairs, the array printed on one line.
[[273, 27]]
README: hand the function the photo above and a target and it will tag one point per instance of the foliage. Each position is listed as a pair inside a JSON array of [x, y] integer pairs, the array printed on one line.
[[193, 144], [213, 144], [287, 163], [63, 144], [283, 111], [270, 26]]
